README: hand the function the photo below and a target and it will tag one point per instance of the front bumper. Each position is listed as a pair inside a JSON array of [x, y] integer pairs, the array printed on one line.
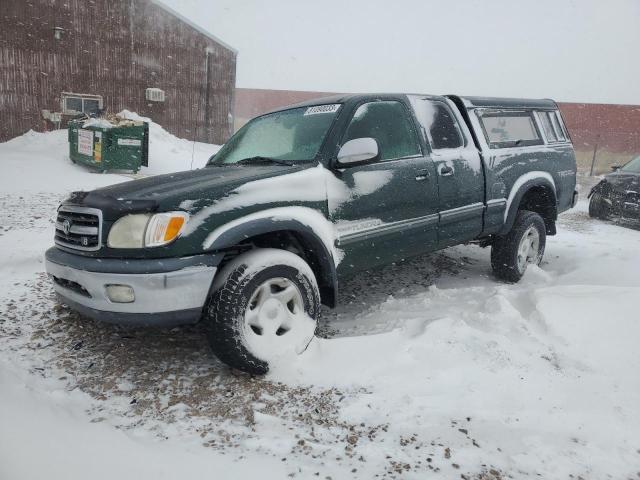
[[167, 291], [630, 210]]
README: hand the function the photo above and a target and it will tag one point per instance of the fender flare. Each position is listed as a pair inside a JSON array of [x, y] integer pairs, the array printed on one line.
[[520, 188], [328, 276], [598, 187]]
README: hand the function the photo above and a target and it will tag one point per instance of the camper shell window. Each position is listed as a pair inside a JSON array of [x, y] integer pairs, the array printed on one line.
[[551, 126], [504, 129]]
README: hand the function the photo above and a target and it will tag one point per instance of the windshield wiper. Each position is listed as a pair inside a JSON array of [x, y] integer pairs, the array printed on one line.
[[259, 159]]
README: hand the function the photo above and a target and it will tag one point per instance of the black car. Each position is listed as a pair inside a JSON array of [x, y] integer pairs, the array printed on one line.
[[618, 193]]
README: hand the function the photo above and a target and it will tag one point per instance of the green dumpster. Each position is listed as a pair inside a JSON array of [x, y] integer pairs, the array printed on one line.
[[105, 145]]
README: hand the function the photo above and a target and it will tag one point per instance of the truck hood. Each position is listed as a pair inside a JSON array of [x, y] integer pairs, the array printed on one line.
[[166, 192], [624, 181]]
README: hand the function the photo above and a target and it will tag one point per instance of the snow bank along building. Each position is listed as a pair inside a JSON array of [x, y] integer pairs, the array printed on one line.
[[60, 58]]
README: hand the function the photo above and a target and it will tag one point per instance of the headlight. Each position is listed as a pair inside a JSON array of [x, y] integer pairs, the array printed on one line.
[[145, 230], [128, 231]]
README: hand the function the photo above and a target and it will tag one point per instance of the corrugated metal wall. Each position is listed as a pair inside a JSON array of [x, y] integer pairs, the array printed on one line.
[[117, 49]]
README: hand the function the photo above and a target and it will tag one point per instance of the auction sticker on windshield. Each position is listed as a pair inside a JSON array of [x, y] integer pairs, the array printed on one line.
[[322, 109]]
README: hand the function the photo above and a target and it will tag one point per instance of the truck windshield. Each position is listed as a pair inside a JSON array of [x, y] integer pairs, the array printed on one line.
[[290, 135], [633, 166]]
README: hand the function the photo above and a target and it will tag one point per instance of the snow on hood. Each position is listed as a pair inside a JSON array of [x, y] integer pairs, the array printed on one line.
[[308, 185], [316, 184]]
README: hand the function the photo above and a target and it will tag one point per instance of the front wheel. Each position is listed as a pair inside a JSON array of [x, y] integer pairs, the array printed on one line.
[[598, 207], [523, 245], [265, 305]]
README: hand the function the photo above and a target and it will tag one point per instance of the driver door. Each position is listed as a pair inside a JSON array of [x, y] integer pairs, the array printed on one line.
[[390, 210]]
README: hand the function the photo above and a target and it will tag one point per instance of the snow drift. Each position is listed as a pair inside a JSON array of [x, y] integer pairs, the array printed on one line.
[[534, 379], [40, 161]]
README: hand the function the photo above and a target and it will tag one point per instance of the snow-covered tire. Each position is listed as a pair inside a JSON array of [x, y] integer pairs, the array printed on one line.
[[265, 304], [598, 207], [523, 245]]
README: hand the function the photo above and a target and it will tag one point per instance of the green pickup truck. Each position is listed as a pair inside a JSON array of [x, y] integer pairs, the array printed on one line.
[[304, 196]]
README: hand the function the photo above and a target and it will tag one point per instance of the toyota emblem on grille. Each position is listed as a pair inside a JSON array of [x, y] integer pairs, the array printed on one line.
[[66, 226]]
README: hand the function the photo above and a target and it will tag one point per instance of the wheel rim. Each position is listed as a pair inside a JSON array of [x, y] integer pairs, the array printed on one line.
[[275, 320], [529, 248]]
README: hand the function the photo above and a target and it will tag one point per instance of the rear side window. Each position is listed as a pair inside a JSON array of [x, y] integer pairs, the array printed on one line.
[[439, 123], [389, 124], [551, 126], [510, 129]]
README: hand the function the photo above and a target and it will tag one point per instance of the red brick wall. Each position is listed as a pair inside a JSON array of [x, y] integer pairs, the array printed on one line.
[[615, 126], [251, 102]]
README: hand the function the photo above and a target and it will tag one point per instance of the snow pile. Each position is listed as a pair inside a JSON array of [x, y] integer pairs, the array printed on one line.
[[98, 122], [546, 370], [168, 153], [46, 434], [538, 379], [40, 161]]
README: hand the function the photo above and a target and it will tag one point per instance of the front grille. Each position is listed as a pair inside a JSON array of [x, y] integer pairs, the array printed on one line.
[[79, 227]]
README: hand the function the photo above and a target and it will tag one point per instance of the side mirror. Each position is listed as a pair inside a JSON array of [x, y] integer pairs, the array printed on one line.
[[615, 168], [358, 151]]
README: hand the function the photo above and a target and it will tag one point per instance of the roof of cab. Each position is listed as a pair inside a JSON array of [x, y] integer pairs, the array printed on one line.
[[469, 102], [493, 102], [341, 98]]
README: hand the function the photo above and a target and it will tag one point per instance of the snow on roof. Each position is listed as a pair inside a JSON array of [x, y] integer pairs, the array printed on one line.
[[499, 102], [193, 25]]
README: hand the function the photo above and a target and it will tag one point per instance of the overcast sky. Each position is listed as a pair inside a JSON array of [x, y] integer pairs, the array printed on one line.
[[569, 50]]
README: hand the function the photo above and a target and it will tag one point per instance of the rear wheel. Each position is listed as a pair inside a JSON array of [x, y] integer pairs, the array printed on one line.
[[265, 304], [598, 207], [523, 245]]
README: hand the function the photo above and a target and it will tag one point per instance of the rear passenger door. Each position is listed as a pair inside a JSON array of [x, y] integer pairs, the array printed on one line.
[[458, 167]]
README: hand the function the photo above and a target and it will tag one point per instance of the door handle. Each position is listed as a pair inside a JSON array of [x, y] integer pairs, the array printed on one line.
[[422, 175], [445, 170]]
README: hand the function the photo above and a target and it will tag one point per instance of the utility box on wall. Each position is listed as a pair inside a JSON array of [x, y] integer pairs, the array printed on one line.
[[154, 94]]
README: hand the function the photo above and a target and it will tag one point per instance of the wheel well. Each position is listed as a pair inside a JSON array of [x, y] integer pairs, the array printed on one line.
[[300, 244], [542, 200]]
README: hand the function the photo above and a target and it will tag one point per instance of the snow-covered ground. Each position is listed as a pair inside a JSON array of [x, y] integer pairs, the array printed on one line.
[[429, 365]]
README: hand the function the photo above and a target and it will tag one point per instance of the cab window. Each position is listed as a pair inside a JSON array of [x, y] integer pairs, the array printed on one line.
[[389, 123]]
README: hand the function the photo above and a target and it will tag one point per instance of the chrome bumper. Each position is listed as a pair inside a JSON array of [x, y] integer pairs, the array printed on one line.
[[161, 298]]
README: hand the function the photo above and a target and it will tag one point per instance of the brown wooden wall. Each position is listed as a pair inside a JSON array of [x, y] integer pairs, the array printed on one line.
[[117, 49]]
